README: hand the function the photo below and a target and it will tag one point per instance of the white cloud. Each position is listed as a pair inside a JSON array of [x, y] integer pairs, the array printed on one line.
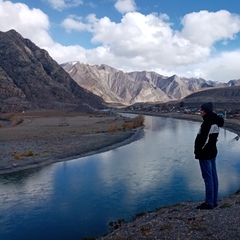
[[138, 42], [65, 54], [71, 24], [61, 4], [124, 6], [205, 28], [147, 38], [223, 66], [31, 23]]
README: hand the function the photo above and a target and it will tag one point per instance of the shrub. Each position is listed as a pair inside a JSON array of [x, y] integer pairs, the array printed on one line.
[[138, 121], [146, 229], [17, 155], [126, 125], [116, 224], [112, 128], [133, 123], [29, 153]]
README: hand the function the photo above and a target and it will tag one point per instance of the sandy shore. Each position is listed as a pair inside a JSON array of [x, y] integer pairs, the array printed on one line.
[[44, 138]]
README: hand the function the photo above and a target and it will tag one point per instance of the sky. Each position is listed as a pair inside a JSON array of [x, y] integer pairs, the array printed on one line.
[[189, 38]]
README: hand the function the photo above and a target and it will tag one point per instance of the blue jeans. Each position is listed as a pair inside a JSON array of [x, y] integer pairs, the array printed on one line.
[[209, 174]]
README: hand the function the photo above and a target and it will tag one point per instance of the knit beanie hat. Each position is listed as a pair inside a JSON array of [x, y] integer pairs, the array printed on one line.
[[207, 107]]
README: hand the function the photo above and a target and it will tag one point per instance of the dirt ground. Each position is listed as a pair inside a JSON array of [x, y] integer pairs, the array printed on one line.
[[40, 138]]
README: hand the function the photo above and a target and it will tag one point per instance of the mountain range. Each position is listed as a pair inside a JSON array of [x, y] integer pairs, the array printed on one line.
[[31, 79], [116, 86]]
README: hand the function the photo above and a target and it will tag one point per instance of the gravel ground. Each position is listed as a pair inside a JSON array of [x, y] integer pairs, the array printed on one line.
[[184, 221]]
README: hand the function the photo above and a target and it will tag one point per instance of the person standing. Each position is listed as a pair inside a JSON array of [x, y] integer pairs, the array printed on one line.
[[205, 151]]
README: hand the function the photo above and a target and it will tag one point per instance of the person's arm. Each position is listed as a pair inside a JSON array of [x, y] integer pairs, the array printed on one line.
[[201, 138]]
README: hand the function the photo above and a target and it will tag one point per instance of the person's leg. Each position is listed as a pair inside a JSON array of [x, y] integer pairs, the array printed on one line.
[[206, 169], [215, 182]]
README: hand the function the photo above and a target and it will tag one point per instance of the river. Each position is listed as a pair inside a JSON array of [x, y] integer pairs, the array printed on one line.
[[78, 198]]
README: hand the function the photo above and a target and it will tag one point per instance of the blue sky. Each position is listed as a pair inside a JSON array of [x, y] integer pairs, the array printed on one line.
[[190, 38]]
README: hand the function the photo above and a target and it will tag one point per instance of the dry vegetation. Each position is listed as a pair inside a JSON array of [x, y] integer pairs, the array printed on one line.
[[136, 122]]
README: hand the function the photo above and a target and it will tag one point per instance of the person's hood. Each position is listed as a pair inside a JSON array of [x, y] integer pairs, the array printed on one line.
[[214, 119]]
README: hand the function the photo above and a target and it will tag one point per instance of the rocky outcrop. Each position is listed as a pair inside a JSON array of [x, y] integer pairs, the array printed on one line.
[[31, 79]]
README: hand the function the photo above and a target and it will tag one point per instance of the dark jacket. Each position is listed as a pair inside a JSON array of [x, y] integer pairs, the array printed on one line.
[[205, 143]]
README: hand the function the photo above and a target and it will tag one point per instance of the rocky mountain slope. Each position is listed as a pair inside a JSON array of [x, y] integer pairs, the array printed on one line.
[[224, 97], [31, 79], [112, 85], [116, 86]]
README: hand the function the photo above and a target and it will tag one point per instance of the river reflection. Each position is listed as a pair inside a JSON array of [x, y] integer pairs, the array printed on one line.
[[78, 198]]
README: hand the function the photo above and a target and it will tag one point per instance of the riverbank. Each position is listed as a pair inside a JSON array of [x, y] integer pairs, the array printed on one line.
[[46, 137], [183, 221]]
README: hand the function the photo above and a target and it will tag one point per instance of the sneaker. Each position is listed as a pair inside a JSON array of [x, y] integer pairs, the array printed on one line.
[[204, 206]]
